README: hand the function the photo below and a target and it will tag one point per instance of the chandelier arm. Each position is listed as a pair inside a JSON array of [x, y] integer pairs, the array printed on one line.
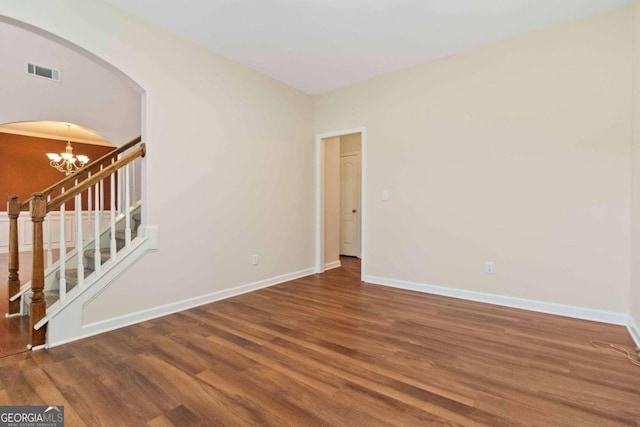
[[66, 162]]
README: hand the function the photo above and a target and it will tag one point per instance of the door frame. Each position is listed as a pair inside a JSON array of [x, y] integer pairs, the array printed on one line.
[[319, 234]]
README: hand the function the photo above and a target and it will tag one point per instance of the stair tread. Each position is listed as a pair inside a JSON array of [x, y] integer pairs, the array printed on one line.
[[120, 234], [50, 296], [105, 254], [71, 274]]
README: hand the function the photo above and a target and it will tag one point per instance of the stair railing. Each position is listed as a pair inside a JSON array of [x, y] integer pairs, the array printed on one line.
[[112, 171]]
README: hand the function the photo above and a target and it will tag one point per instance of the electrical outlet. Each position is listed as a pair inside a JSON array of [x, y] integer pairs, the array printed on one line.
[[254, 259], [488, 267]]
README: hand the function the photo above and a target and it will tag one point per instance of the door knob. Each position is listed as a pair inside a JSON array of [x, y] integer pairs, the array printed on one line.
[[353, 211]]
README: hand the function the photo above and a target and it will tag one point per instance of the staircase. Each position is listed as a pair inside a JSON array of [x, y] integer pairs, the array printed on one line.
[[93, 206], [52, 291]]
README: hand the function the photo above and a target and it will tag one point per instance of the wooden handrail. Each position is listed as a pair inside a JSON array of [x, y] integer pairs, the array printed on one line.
[[91, 167], [113, 167]]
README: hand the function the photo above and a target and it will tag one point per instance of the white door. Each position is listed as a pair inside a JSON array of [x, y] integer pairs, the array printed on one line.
[[350, 204]]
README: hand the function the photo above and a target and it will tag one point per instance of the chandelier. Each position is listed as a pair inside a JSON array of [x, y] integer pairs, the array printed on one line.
[[66, 162]]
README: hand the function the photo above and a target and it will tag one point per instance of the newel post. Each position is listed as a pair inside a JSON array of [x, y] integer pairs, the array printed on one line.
[[38, 309], [13, 209]]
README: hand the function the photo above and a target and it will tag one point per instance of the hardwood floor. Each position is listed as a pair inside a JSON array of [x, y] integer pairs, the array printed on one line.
[[328, 350], [14, 332]]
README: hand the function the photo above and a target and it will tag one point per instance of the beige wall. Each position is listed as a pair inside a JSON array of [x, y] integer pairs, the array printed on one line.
[[331, 200], [229, 159], [635, 193], [517, 153]]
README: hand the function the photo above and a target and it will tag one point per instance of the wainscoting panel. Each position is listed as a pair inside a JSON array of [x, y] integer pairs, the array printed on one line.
[[25, 229]]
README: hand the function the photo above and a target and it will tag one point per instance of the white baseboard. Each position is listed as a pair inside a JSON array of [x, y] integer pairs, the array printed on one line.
[[332, 265], [632, 326], [103, 326], [525, 304]]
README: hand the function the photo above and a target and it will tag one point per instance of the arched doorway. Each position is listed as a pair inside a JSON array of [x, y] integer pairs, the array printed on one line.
[[102, 103]]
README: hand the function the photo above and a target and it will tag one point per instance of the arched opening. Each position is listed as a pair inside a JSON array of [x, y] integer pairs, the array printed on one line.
[[87, 91], [103, 107]]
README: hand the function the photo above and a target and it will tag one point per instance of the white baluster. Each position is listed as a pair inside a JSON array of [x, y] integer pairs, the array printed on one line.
[[49, 237], [120, 190], [101, 201], [97, 258], [134, 186], [127, 206], [89, 202], [63, 254], [112, 217], [79, 243]]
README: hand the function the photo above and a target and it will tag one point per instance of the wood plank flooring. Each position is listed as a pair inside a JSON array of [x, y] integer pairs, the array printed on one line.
[[328, 350], [14, 332]]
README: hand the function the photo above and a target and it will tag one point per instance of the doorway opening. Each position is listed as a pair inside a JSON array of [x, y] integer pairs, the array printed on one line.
[[340, 201], [87, 91]]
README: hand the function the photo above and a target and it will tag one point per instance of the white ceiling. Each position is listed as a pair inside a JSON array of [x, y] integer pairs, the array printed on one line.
[[321, 45], [55, 130]]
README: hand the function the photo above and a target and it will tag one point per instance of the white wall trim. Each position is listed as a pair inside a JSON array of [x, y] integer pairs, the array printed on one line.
[[525, 304], [332, 265], [319, 234], [95, 328], [634, 330]]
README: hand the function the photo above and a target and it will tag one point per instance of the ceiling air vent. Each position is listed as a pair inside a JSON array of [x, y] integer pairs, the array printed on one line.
[[44, 72]]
